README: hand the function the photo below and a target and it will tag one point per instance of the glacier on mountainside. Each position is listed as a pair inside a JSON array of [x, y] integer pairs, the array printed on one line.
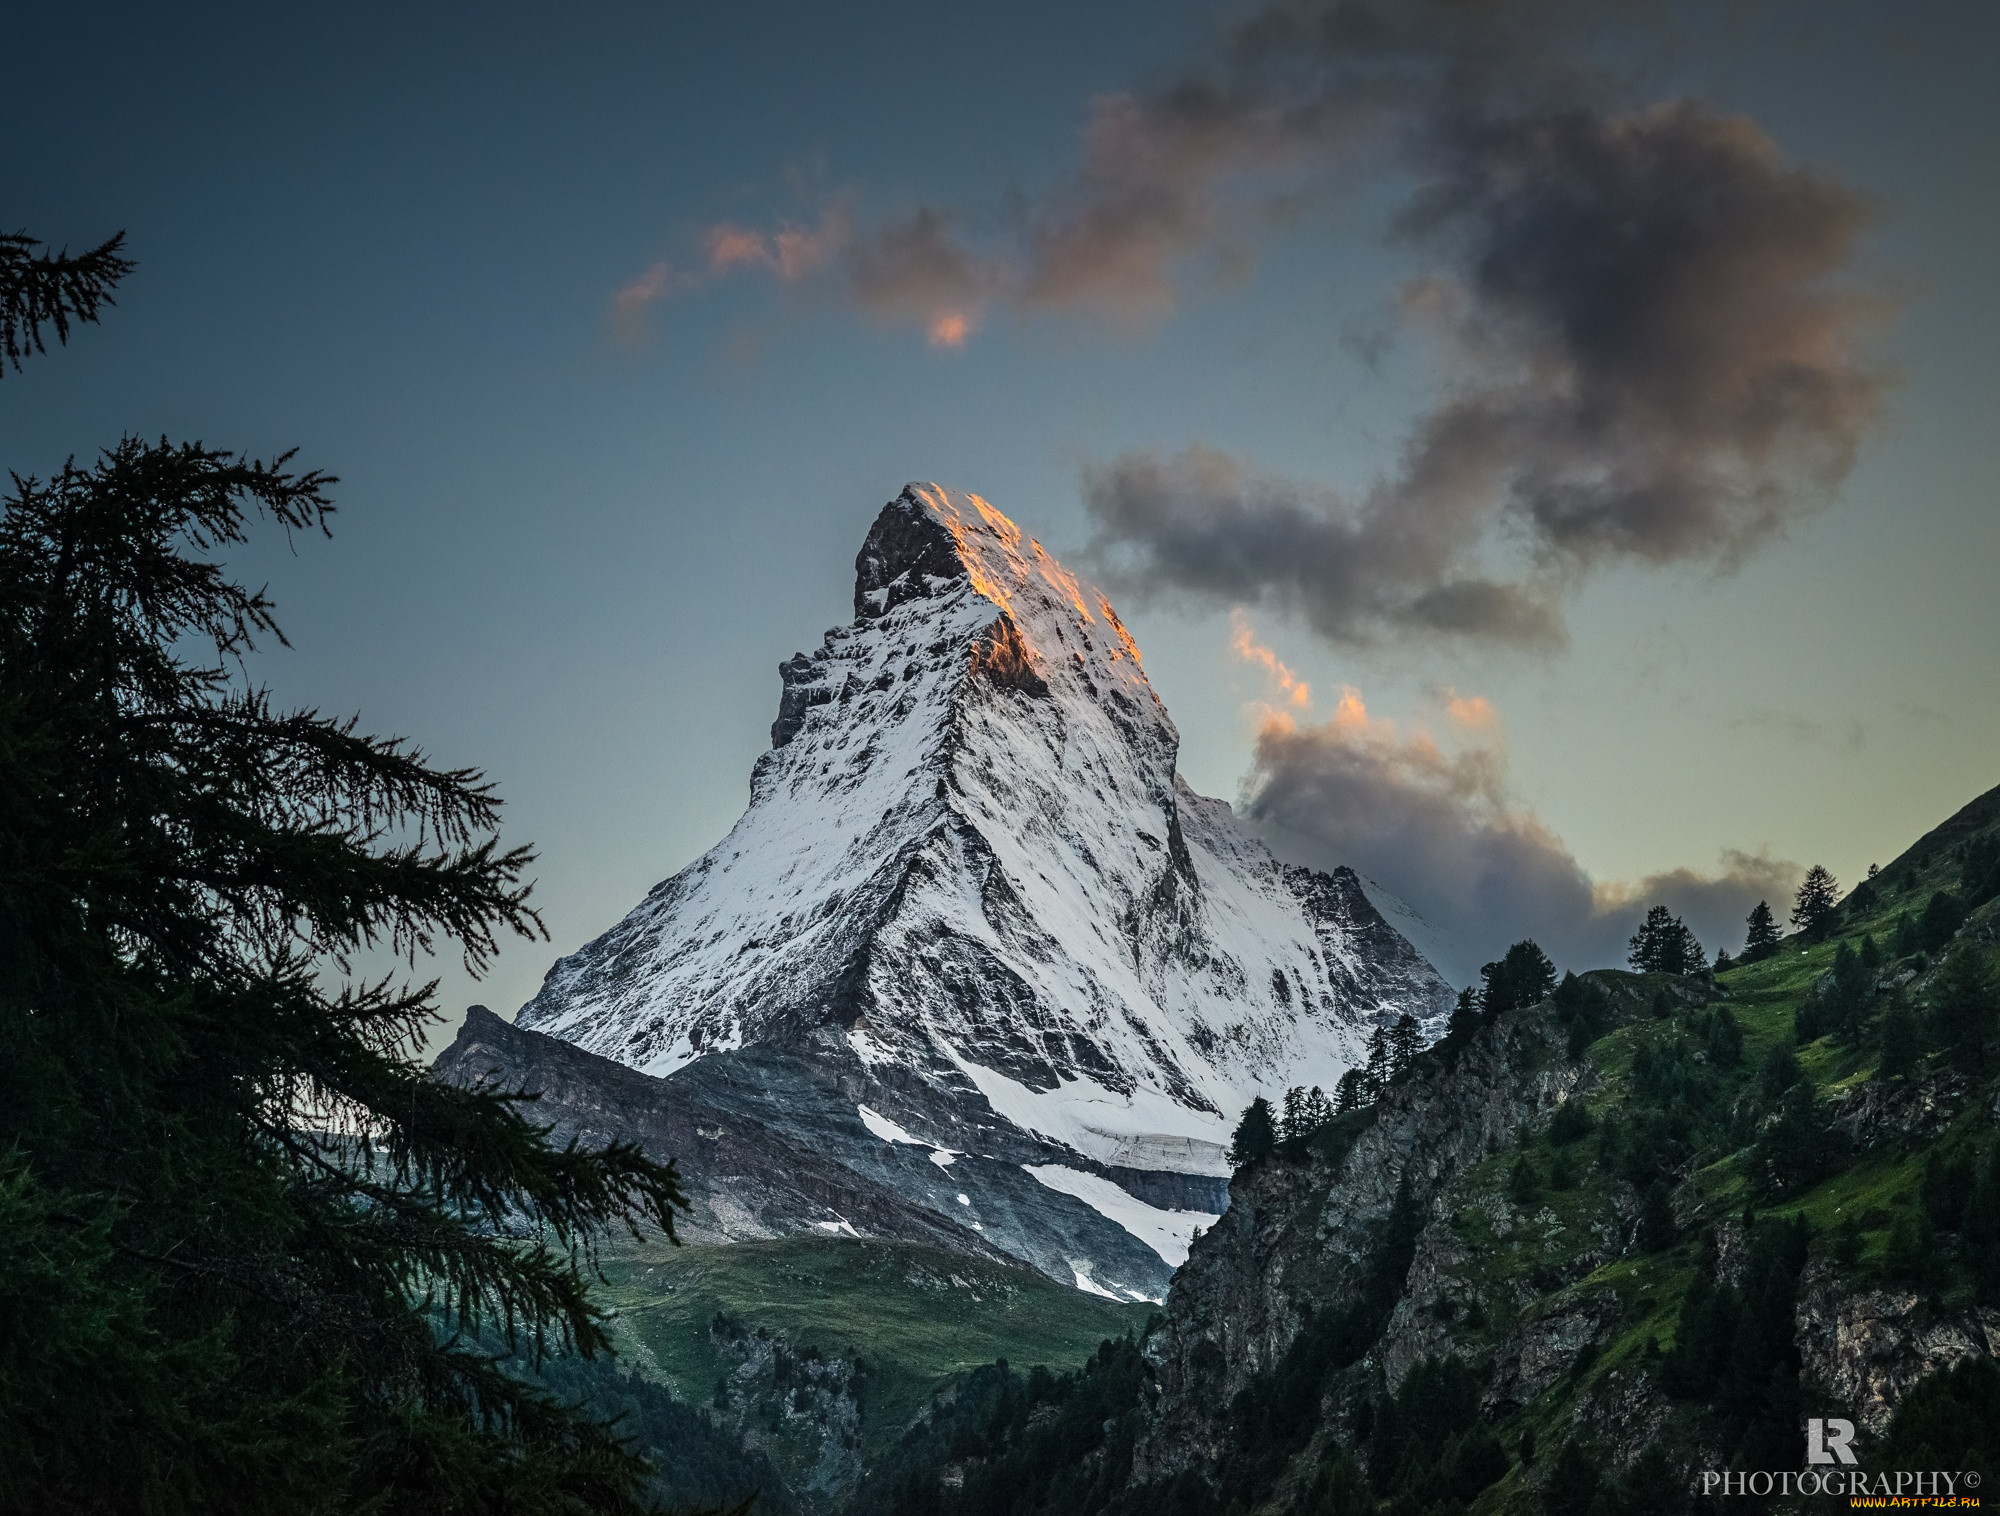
[[971, 889]]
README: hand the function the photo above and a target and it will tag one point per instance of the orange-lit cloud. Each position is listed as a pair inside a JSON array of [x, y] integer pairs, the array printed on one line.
[[729, 246], [950, 329], [1243, 642], [1474, 712], [791, 252], [628, 306]]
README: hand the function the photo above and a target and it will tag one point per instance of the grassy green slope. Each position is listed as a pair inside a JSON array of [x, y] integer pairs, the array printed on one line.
[[912, 1316]]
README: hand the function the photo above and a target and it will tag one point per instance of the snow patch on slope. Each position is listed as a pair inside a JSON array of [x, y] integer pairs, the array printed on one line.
[[1168, 1233]]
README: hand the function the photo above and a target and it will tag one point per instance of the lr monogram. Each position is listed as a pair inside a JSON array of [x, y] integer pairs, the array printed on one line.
[[1828, 1439]]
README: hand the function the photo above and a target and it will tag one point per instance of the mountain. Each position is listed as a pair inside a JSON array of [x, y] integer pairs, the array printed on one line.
[[976, 940]]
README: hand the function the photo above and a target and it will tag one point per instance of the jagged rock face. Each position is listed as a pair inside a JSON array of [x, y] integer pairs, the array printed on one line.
[[1297, 1233], [972, 891], [1868, 1346]]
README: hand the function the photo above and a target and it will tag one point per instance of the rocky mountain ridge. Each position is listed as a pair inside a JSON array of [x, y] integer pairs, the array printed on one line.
[[976, 940]]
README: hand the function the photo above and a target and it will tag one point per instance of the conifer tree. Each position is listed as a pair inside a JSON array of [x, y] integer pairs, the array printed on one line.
[[1657, 1227], [1940, 921], [1380, 1068], [1523, 976], [1964, 1009], [1817, 905], [1898, 1037], [1256, 1134], [1664, 945], [1349, 1094], [248, 1252], [1761, 940], [1406, 1040]]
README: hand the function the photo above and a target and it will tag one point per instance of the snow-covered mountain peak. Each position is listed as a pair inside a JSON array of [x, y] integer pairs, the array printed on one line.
[[971, 887]]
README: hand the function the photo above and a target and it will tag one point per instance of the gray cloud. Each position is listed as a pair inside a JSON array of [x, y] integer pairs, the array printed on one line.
[[1437, 827], [1649, 363], [1647, 350]]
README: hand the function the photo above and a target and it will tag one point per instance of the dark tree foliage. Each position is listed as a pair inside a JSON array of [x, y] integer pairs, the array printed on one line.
[[1797, 1148], [1275, 1415], [1734, 1347], [1572, 1486], [1584, 1011], [1779, 1071], [1307, 1112], [1949, 1420], [1523, 976], [1255, 1135], [1427, 1444], [1406, 1040], [1900, 1047], [1658, 1230], [1979, 873], [247, 1244], [1942, 918], [1655, 1485], [1524, 1185], [1571, 1123], [1816, 907], [1351, 1094], [1961, 1210], [1038, 1444], [1460, 1030], [41, 289], [1381, 1068], [691, 1463], [1838, 1002], [1761, 940], [1664, 945], [1964, 1008]]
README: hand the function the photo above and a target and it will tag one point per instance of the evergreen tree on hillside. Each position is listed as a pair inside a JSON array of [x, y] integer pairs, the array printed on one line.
[[1406, 1040], [1256, 1134], [1979, 872], [1664, 945], [1817, 904], [1761, 940], [1380, 1068], [246, 1259], [1964, 1009], [1351, 1093], [1940, 922], [1524, 976]]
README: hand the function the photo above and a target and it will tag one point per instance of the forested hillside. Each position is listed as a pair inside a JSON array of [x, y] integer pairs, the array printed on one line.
[[1580, 1252]]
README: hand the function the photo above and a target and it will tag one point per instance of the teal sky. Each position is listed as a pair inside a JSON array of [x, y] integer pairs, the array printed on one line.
[[573, 546]]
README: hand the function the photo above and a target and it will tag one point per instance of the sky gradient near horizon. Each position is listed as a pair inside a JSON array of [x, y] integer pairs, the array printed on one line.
[[604, 467]]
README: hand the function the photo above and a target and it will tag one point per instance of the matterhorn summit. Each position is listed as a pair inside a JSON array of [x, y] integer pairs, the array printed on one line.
[[974, 910]]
